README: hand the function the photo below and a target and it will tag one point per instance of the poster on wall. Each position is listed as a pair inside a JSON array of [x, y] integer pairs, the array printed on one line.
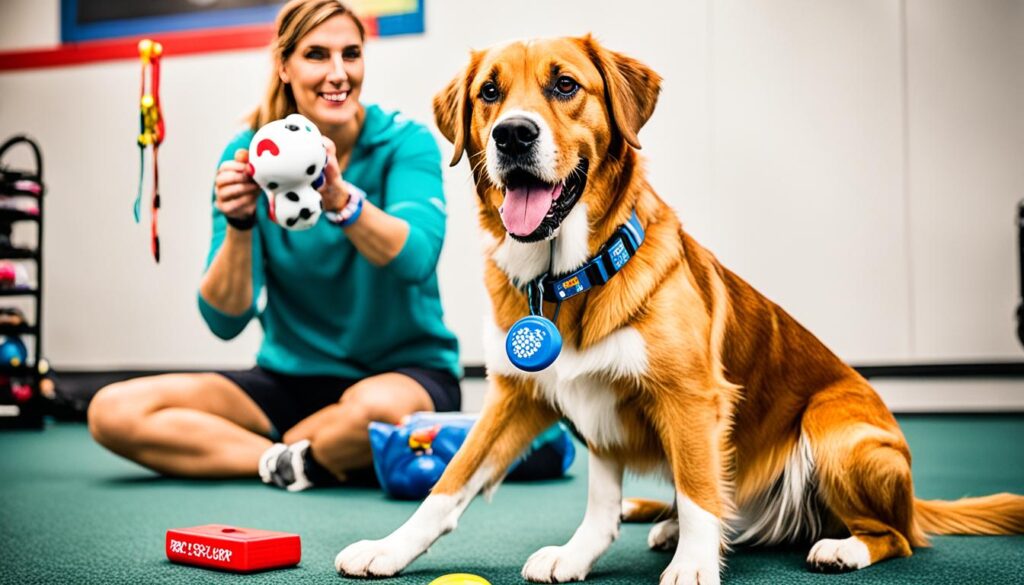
[[92, 20]]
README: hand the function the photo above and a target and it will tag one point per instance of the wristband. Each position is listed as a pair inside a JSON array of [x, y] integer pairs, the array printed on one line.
[[352, 210], [244, 224]]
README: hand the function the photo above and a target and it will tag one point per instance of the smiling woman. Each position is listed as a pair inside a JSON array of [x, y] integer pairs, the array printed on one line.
[[353, 325]]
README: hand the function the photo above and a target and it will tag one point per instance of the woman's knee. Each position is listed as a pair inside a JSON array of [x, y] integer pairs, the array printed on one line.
[[382, 401], [102, 415], [361, 406], [114, 411]]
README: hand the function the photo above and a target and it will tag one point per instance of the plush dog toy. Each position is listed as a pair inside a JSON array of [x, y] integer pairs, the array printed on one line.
[[286, 159]]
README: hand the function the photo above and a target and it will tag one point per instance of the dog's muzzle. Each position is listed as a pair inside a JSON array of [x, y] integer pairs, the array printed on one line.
[[533, 209]]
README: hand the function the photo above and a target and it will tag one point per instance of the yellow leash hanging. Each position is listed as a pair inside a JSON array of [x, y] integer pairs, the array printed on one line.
[[151, 130]]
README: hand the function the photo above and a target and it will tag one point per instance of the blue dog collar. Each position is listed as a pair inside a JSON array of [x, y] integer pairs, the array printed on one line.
[[607, 263], [533, 343]]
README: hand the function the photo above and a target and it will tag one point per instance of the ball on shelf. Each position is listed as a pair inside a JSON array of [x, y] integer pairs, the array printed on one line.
[[21, 391], [12, 351], [13, 275]]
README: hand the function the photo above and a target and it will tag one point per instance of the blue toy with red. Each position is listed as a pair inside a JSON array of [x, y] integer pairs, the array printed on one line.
[[410, 458]]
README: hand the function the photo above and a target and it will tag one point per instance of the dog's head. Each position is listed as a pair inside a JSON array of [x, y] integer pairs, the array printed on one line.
[[538, 120]]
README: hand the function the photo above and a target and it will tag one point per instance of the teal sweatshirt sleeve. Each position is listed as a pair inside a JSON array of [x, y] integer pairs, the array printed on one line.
[[415, 193], [223, 325]]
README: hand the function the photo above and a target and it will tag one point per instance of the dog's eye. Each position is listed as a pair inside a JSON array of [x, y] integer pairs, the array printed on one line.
[[566, 86], [489, 92]]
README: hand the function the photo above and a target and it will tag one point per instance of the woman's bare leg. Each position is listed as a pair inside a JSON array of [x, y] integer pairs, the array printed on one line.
[[194, 425]]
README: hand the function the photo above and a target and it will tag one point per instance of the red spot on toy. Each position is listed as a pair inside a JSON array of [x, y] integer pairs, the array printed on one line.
[[267, 145], [228, 548], [270, 209], [422, 439]]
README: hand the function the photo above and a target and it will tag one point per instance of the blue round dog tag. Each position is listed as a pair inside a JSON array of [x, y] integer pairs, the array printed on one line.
[[533, 343]]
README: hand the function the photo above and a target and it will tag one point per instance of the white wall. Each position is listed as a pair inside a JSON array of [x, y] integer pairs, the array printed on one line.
[[966, 173], [29, 23], [807, 163], [859, 162]]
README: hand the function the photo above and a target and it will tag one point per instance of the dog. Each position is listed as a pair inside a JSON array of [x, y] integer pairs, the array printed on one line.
[[674, 365]]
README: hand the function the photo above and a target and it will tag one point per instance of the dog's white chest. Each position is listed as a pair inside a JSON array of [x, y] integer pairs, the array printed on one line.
[[575, 384], [591, 406]]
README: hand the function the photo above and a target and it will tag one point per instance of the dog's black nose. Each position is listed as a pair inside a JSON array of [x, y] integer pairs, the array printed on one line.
[[515, 136]]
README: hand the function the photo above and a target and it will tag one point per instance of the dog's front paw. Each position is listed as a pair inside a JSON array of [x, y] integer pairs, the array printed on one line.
[[664, 535], [686, 572], [374, 558], [556, 564]]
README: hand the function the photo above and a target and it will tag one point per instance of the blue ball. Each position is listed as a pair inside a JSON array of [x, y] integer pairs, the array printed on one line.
[[13, 352]]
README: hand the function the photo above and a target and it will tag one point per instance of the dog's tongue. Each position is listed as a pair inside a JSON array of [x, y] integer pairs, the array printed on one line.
[[525, 207]]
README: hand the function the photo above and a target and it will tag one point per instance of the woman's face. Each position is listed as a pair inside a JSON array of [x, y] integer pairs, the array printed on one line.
[[326, 72]]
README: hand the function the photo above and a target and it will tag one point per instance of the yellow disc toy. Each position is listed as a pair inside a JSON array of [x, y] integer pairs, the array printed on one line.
[[460, 579]]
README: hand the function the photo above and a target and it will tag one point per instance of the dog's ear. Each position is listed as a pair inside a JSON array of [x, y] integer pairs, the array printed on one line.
[[453, 108], [631, 88]]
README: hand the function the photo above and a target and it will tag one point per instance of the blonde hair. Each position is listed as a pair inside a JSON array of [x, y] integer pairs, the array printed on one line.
[[295, 20]]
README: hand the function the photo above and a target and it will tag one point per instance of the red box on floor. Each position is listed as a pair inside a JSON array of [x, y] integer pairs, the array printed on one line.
[[230, 548]]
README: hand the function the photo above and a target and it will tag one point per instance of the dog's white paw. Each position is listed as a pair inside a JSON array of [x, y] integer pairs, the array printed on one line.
[[691, 572], [556, 564], [838, 556], [374, 558], [664, 535]]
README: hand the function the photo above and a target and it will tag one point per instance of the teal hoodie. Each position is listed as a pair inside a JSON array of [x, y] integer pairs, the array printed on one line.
[[328, 311]]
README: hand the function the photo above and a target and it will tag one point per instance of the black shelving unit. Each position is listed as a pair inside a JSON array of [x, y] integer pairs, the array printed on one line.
[[18, 408]]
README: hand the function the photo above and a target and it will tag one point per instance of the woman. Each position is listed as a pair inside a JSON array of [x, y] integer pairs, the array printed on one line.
[[353, 328]]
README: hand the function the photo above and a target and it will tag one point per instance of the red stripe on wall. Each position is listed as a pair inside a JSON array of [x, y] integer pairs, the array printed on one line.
[[370, 24], [175, 43]]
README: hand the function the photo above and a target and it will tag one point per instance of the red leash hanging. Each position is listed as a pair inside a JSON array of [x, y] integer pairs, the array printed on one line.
[[151, 130]]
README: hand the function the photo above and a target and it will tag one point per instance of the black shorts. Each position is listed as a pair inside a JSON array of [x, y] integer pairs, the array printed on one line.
[[287, 399]]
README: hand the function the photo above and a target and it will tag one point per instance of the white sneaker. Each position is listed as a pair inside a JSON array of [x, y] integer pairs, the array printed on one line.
[[268, 462], [284, 466]]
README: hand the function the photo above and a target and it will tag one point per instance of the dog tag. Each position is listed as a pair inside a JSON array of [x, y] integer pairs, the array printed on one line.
[[533, 343]]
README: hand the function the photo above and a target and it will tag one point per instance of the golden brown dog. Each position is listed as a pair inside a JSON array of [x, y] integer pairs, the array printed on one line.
[[675, 365]]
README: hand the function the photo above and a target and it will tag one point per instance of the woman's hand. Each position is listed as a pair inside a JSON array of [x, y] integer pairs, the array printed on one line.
[[236, 193], [333, 190]]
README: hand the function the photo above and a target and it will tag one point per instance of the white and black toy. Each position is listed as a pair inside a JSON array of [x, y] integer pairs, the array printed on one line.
[[286, 159]]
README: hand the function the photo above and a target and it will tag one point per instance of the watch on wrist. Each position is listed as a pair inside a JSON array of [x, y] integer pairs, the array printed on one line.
[[348, 215]]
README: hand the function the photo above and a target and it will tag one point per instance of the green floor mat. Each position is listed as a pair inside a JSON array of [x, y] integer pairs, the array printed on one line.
[[70, 512]]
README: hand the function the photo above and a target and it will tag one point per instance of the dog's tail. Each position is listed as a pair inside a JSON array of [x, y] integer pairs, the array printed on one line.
[[643, 510], [995, 514]]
